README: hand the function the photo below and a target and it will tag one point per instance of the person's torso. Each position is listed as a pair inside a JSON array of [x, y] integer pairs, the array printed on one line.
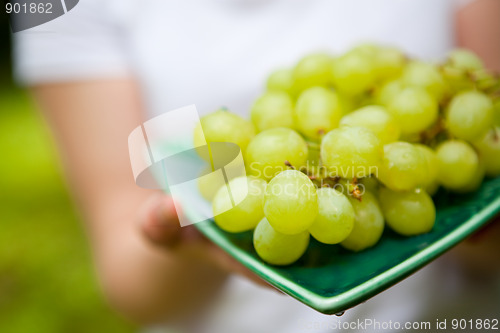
[[217, 53]]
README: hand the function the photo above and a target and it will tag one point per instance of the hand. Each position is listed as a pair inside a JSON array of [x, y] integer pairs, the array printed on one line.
[[479, 253], [159, 223]]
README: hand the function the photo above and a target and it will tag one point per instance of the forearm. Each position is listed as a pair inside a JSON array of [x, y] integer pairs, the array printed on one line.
[[145, 281], [91, 122]]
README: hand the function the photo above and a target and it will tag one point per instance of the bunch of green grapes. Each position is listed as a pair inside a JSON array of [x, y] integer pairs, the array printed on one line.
[[340, 146]]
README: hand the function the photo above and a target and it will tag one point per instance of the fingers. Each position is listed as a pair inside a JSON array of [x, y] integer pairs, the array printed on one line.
[[159, 223], [231, 265], [158, 220], [489, 232]]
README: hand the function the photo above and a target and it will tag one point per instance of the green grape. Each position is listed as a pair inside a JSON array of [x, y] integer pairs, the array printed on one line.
[[370, 184], [457, 164], [376, 119], [223, 126], [489, 151], [403, 168], [270, 150], [351, 152], [312, 70], [485, 80], [248, 193], [353, 73], [345, 186], [432, 188], [469, 115], [389, 63], [365, 99], [475, 182], [281, 80], [464, 60], [273, 109], [276, 248], [414, 109], [291, 202], [430, 183], [410, 137], [335, 218], [426, 76], [368, 49], [456, 79], [313, 165], [209, 183], [317, 112], [347, 103], [496, 111], [408, 213], [368, 224], [388, 91]]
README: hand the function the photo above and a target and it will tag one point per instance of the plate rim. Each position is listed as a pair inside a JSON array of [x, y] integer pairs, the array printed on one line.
[[365, 290]]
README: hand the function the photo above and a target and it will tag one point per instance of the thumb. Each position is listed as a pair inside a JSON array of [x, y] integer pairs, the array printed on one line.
[[158, 220]]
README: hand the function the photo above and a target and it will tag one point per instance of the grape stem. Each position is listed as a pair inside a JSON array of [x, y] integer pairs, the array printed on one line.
[[356, 191], [288, 164], [431, 133]]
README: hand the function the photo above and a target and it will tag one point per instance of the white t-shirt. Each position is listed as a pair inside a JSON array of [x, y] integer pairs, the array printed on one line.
[[216, 53]]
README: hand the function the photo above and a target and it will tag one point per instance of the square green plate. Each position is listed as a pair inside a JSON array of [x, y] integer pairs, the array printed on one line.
[[331, 279]]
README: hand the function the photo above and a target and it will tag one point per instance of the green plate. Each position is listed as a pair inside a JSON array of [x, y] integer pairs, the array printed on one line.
[[331, 279]]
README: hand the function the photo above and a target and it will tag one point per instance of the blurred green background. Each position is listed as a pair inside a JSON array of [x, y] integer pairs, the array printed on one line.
[[47, 282]]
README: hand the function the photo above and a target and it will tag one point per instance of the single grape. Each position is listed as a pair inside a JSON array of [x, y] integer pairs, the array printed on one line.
[[458, 163], [427, 76], [469, 115], [209, 183], [291, 202], [485, 80], [270, 150], [353, 73], [351, 152], [388, 91], [347, 103], [313, 165], [496, 112], [223, 126], [370, 184], [430, 183], [312, 70], [276, 248], [408, 213], [389, 63], [247, 193], [376, 119], [273, 109], [457, 79], [368, 223], [403, 168], [335, 218], [464, 60], [317, 111], [281, 80], [346, 186], [414, 109], [476, 181], [489, 151], [368, 49]]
